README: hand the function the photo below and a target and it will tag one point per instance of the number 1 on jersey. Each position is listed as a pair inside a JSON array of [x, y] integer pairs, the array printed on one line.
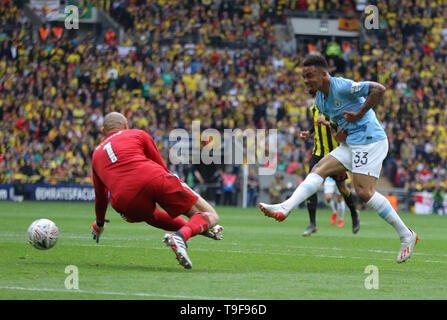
[[111, 154]]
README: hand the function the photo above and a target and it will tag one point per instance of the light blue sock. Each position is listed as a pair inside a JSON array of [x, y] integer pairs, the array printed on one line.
[[383, 207], [308, 187]]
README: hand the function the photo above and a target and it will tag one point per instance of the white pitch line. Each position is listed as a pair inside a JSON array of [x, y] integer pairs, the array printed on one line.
[[287, 246], [112, 293], [249, 252], [259, 252]]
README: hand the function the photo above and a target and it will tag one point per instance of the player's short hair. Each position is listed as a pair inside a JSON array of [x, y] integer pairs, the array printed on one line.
[[114, 121], [315, 60]]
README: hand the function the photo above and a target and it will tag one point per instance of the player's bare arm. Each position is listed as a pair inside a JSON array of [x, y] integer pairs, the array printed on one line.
[[304, 135], [375, 95], [340, 135], [321, 119], [199, 176]]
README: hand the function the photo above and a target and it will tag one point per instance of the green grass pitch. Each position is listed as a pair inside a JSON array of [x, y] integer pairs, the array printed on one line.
[[258, 259]]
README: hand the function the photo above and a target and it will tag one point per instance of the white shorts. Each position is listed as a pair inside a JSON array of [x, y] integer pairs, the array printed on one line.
[[365, 159], [330, 186]]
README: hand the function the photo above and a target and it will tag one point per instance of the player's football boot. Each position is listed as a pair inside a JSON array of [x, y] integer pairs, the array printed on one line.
[[355, 223], [310, 229], [340, 223], [178, 245], [334, 217], [214, 232], [355, 227], [275, 211], [407, 246]]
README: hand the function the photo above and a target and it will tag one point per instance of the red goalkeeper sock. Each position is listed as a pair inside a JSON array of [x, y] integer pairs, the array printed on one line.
[[197, 224], [162, 220]]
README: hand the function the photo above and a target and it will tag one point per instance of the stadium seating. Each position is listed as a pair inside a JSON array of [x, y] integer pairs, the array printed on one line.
[[221, 65]]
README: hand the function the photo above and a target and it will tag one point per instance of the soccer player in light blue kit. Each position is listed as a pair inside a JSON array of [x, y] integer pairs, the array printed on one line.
[[363, 146]]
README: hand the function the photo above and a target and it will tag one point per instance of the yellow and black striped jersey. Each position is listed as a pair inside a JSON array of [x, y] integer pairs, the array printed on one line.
[[324, 141]]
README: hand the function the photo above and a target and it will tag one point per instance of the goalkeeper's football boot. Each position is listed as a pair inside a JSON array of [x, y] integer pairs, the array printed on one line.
[[178, 245], [407, 246], [275, 211], [214, 232]]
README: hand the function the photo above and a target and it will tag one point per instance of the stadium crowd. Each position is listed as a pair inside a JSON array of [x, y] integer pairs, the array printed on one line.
[[221, 64]]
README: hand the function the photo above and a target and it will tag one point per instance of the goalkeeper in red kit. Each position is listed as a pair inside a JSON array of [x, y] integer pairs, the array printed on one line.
[[128, 166]]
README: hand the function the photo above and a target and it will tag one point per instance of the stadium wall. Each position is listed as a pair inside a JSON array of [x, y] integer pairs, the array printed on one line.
[[46, 192], [421, 202]]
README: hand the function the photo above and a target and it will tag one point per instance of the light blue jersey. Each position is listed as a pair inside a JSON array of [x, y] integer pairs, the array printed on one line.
[[345, 94]]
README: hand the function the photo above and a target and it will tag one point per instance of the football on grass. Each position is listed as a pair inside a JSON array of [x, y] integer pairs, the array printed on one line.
[[43, 234]]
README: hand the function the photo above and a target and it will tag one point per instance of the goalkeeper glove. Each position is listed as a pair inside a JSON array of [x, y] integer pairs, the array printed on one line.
[[97, 229]]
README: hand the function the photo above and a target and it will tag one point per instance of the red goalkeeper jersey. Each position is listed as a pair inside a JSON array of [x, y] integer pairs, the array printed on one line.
[[123, 163]]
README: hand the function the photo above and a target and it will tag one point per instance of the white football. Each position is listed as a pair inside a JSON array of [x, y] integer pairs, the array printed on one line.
[[43, 234]]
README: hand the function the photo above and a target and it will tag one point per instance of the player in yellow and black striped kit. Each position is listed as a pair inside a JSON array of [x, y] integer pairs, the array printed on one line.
[[324, 143]]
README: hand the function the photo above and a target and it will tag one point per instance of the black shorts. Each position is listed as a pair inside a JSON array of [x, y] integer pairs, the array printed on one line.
[[315, 159]]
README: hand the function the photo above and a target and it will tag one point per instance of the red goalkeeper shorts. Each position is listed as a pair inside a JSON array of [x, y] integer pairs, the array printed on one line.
[[171, 193]]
